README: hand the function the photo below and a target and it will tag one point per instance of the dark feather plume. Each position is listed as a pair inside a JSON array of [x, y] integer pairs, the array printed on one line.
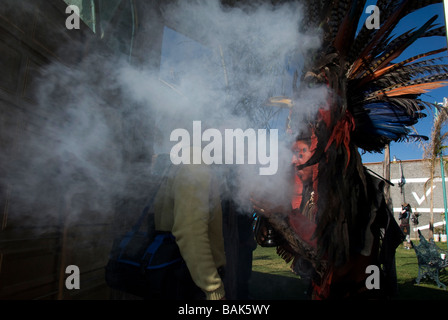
[[374, 99]]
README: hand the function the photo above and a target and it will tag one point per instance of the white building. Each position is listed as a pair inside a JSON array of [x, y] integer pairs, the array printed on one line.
[[416, 191]]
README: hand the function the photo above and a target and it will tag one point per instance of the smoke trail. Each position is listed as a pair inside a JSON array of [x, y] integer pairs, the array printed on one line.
[[253, 55], [222, 73]]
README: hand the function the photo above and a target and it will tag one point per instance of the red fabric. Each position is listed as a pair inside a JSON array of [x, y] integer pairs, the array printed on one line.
[[325, 115], [297, 193], [303, 227], [341, 133], [301, 224], [322, 291]]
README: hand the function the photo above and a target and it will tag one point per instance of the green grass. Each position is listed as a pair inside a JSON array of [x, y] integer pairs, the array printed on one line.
[[407, 271], [272, 278]]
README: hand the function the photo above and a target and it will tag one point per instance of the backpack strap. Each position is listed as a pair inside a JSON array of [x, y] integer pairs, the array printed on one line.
[[160, 239], [145, 210]]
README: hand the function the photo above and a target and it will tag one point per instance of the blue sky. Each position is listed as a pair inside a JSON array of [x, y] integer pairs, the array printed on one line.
[[413, 150], [402, 150]]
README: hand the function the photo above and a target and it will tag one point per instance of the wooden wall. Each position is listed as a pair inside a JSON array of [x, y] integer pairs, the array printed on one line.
[[38, 239]]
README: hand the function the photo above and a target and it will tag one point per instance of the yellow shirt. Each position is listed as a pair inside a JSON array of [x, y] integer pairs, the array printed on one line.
[[188, 205]]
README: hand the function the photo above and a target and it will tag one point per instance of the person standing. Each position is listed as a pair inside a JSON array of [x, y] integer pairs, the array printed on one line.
[[405, 227], [188, 205]]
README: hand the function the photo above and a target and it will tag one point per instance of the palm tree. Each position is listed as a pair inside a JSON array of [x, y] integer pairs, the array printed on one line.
[[432, 150]]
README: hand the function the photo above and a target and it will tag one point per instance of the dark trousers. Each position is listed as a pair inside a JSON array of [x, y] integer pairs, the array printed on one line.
[[176, 284]]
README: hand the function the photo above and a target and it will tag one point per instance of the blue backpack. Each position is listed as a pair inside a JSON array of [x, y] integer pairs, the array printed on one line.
[[141, 261]]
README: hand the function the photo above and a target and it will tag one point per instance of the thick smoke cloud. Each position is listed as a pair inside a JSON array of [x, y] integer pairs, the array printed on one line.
[[221, 74]]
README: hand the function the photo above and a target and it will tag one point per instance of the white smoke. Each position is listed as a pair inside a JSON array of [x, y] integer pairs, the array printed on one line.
[[233, 62], [219, 66]]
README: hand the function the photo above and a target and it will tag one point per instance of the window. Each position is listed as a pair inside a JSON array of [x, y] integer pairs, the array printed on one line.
[[187, 64], [112, 20], [117, 24], [213, 79]]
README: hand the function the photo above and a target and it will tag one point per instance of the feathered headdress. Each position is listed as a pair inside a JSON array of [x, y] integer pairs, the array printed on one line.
[[374, 98]]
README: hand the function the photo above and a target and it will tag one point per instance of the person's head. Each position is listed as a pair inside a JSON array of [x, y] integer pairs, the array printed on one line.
[[301, 154]]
